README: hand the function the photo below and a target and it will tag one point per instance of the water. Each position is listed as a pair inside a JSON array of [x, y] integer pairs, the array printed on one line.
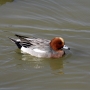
[[69, 19]]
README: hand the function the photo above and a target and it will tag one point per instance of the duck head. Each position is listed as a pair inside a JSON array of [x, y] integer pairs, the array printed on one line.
[[58, 43]]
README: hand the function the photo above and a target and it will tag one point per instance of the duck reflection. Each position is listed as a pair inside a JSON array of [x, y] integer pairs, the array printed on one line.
[[33, 61], [4, 1], [56, 64], [37, 63]]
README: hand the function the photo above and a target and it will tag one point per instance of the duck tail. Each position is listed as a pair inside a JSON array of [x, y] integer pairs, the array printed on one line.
[[20, 36], [16, 42]]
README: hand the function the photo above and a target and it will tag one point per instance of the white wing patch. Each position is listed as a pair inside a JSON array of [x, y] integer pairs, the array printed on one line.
[[39, 51]]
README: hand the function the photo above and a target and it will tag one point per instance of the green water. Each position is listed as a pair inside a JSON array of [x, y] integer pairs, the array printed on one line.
[[69, 19]]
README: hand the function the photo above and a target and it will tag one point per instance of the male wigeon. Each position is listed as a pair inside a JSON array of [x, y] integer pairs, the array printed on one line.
[[41, 47]]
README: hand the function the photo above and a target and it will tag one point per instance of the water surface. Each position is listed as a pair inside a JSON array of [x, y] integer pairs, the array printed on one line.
[[69, 19]]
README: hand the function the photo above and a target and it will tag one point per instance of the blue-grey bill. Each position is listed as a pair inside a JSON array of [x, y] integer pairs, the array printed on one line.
[[66, 47]]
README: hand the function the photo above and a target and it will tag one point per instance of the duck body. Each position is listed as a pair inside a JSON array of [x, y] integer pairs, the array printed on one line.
[[40, 47]]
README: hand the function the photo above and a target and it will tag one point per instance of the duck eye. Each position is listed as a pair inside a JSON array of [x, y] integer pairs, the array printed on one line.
[[60, 43]]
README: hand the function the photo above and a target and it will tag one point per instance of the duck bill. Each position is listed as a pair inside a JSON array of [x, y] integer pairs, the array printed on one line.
[[66, 47]]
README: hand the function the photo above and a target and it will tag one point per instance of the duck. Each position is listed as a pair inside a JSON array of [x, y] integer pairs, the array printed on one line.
[[41, 48]]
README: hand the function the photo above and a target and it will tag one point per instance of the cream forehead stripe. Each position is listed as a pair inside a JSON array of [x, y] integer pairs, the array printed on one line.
[[61, 39]]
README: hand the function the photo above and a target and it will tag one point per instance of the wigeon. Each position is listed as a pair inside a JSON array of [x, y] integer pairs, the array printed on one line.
[[41, 47]]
